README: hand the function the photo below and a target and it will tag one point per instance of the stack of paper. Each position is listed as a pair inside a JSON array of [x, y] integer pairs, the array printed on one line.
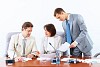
[[46, 56]]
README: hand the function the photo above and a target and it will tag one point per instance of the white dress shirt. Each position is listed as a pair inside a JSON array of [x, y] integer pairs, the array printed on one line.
[[56, 42]]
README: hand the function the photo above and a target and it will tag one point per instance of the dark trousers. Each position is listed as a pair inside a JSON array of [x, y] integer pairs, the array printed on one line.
[[75, 52]]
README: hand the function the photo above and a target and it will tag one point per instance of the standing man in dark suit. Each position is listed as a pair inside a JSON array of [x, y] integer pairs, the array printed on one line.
[[75, 33]]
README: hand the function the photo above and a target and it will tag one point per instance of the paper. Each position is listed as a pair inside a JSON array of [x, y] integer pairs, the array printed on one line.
[[26, 59], [91, 61], [46, 56], [43, 59], [65, 59], [23, 59], [83, 61], [64, 47]]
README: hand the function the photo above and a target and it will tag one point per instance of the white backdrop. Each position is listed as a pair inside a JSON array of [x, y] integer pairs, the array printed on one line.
[[13, 13]]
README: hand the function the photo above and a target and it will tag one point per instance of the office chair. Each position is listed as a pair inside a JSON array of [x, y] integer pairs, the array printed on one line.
[[8, 40], [97, 54]]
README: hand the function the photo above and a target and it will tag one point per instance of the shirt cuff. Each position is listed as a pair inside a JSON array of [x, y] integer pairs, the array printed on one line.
[[76, 42]]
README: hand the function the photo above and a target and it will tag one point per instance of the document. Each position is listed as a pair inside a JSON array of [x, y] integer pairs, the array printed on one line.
[[46, 56], [27, 59], [64, 47], [66, 59], [23, 59], [91, 61]]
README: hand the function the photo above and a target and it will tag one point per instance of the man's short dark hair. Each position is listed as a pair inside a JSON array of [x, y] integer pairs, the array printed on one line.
[[27, 24], [58, 11], [50, 28]]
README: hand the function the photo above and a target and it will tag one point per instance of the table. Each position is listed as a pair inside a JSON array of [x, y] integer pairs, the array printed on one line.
[[37, 63]]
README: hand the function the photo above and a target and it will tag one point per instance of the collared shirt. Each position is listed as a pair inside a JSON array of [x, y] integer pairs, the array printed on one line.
[[68, 17], [69, 22]]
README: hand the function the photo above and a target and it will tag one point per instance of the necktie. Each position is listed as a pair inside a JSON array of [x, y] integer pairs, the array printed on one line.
[[24, 45], [68, 34]]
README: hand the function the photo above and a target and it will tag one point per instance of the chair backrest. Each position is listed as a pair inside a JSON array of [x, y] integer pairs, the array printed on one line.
[[8, 40], [97, 54]]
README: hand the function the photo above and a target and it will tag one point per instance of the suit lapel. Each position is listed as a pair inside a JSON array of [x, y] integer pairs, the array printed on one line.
[[64, 25], [20, 45], [71, 22]]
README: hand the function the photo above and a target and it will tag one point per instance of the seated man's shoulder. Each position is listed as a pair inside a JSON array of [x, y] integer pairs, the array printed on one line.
[[15, 35]]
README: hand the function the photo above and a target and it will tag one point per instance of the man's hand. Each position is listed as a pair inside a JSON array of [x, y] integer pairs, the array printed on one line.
[[36, 53], [30, 56], [19, 58], [73, 45]]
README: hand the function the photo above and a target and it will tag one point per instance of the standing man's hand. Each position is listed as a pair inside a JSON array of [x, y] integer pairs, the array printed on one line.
[[73, 45]]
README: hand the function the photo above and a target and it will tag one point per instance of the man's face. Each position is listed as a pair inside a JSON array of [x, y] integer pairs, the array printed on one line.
[[27, 31], [61, 16], [47, 33]]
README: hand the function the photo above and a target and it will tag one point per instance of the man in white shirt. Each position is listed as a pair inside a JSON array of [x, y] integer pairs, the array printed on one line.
[[18, 49]]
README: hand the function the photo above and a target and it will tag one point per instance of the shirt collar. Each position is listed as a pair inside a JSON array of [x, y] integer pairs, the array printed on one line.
[[21, 36], [68, 16]]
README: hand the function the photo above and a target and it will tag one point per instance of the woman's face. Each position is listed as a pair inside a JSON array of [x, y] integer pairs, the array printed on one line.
[[47, 33]]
